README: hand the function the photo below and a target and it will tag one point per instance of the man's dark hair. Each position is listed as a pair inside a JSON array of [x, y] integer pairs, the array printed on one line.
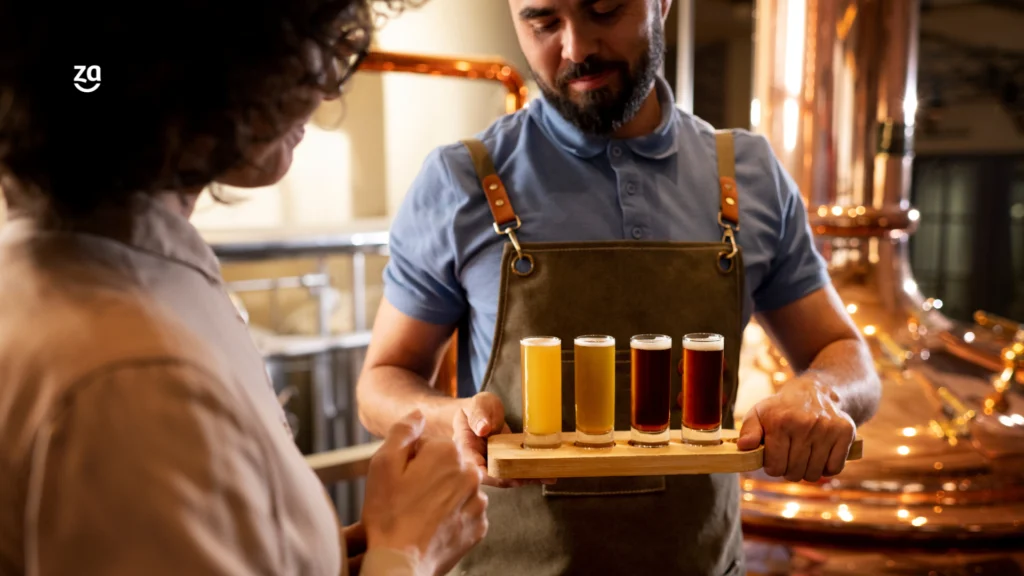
[[186, 88]]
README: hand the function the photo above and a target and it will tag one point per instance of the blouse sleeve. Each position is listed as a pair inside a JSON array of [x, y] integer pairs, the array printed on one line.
[[146, 469]]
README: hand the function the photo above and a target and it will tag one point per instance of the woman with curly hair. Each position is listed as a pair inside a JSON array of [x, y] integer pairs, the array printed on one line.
[[138, 431]]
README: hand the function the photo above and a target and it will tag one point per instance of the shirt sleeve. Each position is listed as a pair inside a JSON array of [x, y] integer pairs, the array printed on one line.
[[146, 470], [797, 269], [420, 278]]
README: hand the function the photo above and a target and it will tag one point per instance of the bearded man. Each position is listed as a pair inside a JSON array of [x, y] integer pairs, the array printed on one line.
[[603, 209]]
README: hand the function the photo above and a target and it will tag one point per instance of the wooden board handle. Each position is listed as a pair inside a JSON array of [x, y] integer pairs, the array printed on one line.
[[507, 458], [856, 449]]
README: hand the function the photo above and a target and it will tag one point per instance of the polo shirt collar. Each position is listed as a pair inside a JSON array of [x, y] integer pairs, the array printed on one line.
[[660, 143]]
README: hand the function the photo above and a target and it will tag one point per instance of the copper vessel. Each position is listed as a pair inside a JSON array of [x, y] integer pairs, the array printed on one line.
[[943, 467]]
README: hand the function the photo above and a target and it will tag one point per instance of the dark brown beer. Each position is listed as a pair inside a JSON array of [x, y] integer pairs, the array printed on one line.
[[650, 382], [703, 364]]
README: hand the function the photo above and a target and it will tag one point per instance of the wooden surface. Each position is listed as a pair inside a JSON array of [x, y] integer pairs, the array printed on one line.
[[344, 464], [506, 458]]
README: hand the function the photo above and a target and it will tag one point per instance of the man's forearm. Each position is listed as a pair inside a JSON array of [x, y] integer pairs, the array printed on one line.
[[847, 368], [386, 394]]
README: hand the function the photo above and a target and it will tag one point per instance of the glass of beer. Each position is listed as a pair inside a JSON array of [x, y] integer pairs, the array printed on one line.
[[650, 389], [595, 391], [542, 391], [703, 366]]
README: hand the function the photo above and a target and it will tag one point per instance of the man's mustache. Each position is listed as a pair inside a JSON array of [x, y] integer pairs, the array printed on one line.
[[589, 67]]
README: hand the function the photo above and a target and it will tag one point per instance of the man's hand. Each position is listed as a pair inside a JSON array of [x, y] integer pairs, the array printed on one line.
[[423, 499], [806, 435], [483, 416]]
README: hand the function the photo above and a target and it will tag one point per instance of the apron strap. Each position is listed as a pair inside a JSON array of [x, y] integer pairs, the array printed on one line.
[[506, 221], [497, 197], [504, 215], [730, 210]]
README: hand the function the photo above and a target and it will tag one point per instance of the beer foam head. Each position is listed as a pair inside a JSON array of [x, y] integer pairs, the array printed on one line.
[[704, 343], [541, 341], [597, 341], [653, 342]]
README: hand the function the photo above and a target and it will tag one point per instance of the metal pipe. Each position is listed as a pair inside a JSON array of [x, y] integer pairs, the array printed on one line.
[[322, 375], [359, 290], [308, 281], [495, 69]]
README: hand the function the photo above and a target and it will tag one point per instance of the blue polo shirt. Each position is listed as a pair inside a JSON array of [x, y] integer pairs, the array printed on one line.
[[569, 186]]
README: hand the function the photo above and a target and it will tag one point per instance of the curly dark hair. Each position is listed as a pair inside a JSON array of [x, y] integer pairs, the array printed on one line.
[[187, 87]]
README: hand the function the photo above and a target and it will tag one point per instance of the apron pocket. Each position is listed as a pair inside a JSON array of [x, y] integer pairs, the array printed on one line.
[[610, 486]]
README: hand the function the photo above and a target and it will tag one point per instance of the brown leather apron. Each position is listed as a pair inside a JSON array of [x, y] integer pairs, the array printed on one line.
[[627, 525]]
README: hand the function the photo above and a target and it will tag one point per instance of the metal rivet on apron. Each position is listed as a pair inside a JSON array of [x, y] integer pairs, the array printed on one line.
[[725, 264], [730, 201], [493, 187], [523, 258], [499, 203]]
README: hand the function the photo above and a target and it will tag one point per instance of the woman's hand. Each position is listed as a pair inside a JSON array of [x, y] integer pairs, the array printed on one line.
[[423, 498]]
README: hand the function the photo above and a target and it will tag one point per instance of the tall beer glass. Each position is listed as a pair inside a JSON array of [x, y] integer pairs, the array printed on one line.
[[595, 391], [703, 365], [542, 391], [650, 387]]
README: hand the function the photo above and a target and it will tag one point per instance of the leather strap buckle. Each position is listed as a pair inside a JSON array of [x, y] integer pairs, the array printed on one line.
[[727, 258], [508, 229], [730, 225], [729, 237]]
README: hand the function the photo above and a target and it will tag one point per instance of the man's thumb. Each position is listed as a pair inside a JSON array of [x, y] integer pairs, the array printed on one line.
[[751, 433], [486, 415]]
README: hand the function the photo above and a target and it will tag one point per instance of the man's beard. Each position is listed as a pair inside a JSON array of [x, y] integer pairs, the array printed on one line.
[[602, 111]]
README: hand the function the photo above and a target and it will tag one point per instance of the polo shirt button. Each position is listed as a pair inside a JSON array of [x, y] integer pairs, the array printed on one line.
[[616, 151], [637, 232], [631, 188]]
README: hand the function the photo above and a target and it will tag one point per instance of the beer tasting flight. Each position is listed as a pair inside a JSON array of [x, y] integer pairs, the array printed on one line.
[[650, 447], [650, 385]]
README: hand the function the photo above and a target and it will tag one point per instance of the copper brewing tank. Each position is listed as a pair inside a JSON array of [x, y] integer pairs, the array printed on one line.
[[943, 467]]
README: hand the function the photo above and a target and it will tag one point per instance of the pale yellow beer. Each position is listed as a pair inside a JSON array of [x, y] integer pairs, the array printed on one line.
[[595, 391], [542, 391]]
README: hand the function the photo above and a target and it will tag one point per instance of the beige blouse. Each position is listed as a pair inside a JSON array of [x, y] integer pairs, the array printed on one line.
[[139, 433]]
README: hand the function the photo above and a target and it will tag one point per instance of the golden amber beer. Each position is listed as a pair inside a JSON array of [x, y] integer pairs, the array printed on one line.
[[650, 387], [541, 358], [595, 391], [703, 365]]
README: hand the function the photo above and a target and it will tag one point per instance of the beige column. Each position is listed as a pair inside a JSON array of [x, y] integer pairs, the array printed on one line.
[[421, 112]]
